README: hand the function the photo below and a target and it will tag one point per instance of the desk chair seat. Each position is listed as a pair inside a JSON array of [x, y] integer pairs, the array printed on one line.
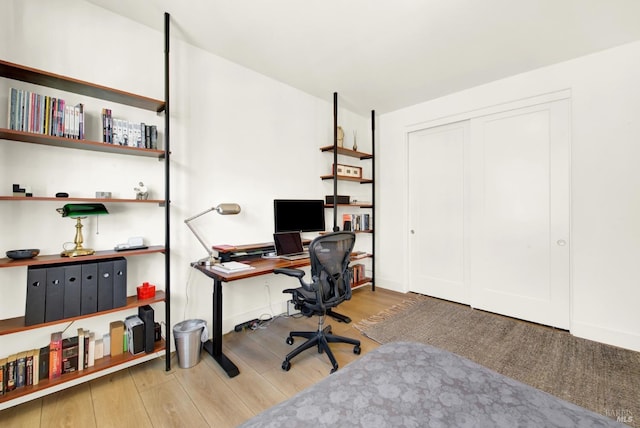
[[330, 286]]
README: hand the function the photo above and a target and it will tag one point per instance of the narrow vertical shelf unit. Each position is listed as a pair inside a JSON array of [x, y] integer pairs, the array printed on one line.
[[16, 325], [338, 151]]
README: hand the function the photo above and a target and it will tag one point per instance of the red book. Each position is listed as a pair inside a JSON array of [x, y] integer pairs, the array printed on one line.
[[55, 355]]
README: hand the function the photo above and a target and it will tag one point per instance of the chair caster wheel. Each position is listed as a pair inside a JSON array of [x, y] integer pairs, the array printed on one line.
[[286, 365], [356, 350], [289, 340]]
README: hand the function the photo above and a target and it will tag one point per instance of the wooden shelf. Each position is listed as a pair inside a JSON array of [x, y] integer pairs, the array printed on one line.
[[342, 178], [361, 283], [106, 200], [68, 84], [103, 366], [348, 152], [69, 143], [15, 325], [356, 205], [56, 258]]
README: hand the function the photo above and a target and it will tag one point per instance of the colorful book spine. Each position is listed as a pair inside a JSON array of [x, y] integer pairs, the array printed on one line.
[[11, 373], [3, 375], [29, 369], [55, 355]]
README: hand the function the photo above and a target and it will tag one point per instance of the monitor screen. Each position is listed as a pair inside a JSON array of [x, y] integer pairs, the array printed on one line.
[[298, 215]]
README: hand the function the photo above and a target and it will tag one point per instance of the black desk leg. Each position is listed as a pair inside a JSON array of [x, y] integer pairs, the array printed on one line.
[[214, 345]]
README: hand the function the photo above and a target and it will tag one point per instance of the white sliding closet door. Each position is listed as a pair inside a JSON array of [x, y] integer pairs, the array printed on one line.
[[436, 211], [519, 213], [489, 212]]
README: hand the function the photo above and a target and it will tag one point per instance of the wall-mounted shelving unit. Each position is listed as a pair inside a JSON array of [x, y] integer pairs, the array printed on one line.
[[338, 151], [16, 325]]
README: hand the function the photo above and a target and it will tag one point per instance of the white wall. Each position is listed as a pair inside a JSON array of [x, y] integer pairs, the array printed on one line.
[[236, 136], [605, 179]]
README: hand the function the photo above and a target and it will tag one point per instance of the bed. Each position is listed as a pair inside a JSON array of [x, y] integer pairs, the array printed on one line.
[[416, 385]]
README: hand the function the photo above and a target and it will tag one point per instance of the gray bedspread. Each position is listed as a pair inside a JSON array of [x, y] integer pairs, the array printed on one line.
[[405, 384]]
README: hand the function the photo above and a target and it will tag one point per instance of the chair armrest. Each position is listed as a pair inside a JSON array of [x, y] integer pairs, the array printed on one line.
[[290, 272]]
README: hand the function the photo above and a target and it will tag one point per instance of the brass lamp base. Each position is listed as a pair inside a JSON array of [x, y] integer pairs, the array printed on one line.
[[78, 252]]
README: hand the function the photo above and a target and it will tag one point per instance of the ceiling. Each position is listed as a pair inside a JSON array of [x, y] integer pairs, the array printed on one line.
[[390, 54]]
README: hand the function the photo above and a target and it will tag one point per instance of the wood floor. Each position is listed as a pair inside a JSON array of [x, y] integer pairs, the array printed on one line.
[[203, 396]]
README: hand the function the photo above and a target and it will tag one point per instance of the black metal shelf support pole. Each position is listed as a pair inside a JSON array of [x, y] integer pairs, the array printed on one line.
[[167, 238], [335, 162], [373, 200]]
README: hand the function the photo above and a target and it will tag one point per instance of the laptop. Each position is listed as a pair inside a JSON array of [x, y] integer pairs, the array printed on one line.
[[289, 246]]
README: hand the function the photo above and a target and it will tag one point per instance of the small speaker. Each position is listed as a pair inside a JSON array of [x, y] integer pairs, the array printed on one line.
[[146, 315]]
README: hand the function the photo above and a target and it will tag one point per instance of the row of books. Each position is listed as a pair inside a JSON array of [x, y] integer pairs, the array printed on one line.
[[41, 114], [356, 222], [61, 356], [122, 132]]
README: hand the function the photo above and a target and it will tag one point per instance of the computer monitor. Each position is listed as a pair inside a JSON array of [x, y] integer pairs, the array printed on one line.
[[298, 215]]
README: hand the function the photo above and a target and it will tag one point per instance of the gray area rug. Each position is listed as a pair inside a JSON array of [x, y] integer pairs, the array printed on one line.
[[601, 378]]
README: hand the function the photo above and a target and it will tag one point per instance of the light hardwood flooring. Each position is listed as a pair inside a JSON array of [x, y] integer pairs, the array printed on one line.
[[203, 396]]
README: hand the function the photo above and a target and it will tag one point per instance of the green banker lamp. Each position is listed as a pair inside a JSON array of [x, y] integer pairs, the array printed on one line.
[[78, 212]]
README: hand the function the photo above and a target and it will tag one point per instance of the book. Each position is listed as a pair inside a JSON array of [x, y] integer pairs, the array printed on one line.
[[70, 354], [43, 361], [80, 349], [29, 369], [55, 355], [21, 369], [10, 383], [232, 267], [87, 337], [3, 368], [99, 349], [36, 366], [91, 353], [116, 333]]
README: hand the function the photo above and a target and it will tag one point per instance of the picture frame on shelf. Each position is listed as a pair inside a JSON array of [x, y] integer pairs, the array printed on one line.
[[347, 170]]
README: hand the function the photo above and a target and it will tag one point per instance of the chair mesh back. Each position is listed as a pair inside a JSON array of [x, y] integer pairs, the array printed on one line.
[[330, 264]]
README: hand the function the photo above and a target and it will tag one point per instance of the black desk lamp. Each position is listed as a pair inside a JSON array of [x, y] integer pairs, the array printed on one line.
[[222, 209]]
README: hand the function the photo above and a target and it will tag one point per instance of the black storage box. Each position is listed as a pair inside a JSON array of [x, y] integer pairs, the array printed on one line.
[[341, 199]]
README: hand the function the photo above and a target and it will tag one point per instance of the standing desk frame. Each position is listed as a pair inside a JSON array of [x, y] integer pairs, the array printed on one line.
[[261, 267]]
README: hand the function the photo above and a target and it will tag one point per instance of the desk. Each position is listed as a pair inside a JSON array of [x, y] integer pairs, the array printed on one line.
[[262, 267]]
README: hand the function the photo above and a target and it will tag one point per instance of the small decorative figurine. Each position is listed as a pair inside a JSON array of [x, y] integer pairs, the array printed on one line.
[[355, 143], [141, 191]]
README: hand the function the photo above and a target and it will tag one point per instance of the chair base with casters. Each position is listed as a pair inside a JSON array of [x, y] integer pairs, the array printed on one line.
[[320, 338]]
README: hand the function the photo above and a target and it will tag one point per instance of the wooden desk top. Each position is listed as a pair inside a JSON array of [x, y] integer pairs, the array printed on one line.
[[262, 267]]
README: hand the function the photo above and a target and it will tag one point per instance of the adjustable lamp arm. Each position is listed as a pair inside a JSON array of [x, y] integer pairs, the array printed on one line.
[[223, 209]]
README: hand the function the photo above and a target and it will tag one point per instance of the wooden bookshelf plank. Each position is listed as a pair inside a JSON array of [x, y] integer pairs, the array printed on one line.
[[102, 367], [356, 179], [69, 143], [68, 84], [15, 325], [348, 152], [56, 258], [107, 200]]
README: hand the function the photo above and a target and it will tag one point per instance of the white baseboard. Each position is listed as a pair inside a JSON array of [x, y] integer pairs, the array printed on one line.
[[621, 339]]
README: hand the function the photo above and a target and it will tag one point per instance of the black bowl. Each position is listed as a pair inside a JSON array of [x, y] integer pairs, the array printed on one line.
[[23, 254]]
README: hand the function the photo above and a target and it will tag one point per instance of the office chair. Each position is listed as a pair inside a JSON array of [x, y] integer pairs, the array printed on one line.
[[330, 286]]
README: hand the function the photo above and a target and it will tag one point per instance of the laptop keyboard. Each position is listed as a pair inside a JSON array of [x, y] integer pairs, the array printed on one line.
[[296, 256]]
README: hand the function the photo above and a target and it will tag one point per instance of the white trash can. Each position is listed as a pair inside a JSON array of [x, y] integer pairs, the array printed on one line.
[[189, 335]]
